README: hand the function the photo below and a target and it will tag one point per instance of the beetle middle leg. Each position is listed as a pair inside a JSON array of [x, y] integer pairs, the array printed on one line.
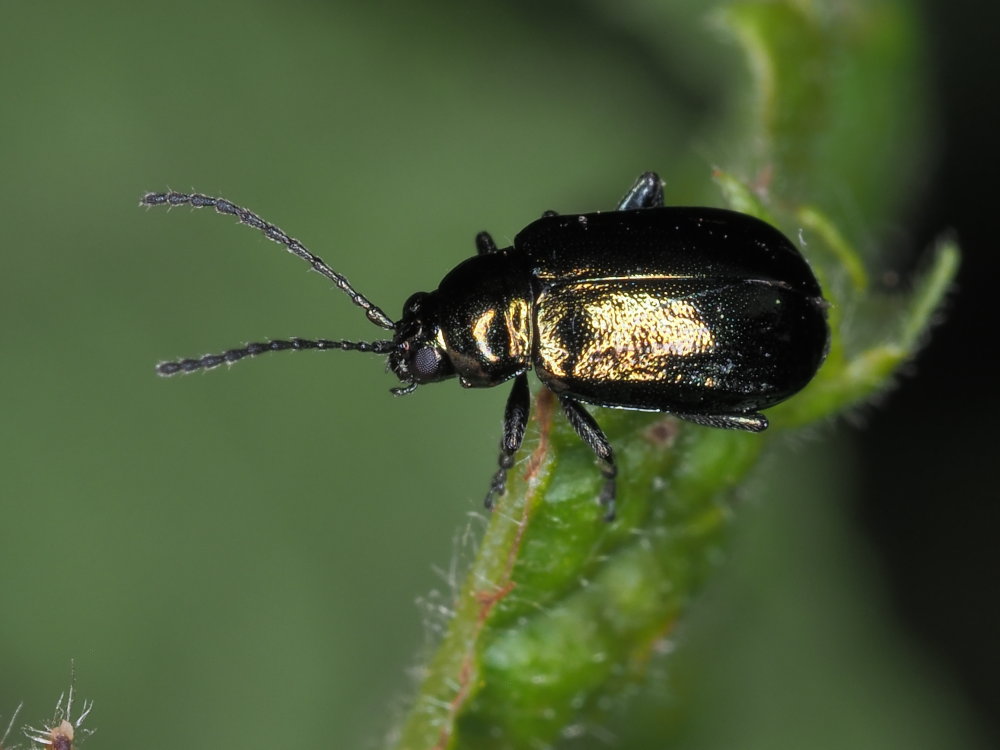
[[591, 433], [515, 419], [647, 192]]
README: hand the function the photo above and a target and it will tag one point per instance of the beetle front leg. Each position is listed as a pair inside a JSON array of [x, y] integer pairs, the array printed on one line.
[[589, 431], [647, 192], [515, 419]]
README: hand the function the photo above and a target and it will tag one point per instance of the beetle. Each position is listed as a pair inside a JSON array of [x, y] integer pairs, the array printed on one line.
[[705, 313]]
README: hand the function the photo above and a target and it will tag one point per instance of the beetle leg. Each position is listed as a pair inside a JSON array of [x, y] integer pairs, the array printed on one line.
[[590, 432], [549, 213], [515, 418], [751, 422], [485, 244], [647, 192]]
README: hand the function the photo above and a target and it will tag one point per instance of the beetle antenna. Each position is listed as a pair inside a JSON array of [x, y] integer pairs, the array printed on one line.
[[222, 206], [210, 361]]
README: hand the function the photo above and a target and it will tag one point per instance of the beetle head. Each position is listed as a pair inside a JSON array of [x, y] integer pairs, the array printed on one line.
[[419, 354]]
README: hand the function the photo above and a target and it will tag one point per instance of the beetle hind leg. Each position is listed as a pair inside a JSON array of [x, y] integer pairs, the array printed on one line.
[[750, 422], [589, 431], [515, 419], [647, 192]]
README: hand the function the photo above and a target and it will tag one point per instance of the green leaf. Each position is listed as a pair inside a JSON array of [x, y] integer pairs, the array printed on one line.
[[559, 611]]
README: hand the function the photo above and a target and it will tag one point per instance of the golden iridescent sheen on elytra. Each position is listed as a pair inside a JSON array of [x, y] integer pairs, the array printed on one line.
[[617, 334]]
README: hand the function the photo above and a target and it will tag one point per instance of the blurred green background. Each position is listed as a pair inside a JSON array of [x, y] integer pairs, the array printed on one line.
[[255, 558]]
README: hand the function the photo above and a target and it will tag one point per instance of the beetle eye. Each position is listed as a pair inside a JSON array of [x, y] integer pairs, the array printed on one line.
[[426, 362]]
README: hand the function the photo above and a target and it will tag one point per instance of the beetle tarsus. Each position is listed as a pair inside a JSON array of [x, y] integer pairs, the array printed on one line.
[[750, 422]]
